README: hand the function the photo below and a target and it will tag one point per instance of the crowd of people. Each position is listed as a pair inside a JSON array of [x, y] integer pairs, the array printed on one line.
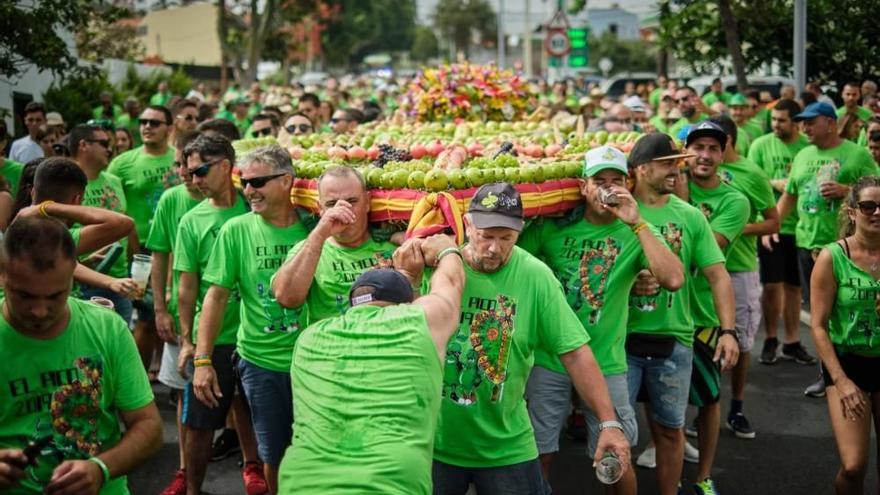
[[427, 365]]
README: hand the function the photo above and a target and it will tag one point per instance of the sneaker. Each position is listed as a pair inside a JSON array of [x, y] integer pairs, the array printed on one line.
[[739, 425], [691, 453], [705, 487], [816, 390], [691, 430], [178, 484], [768, 354], [797, 353], [254, 482], [225, 445], [648, 458]]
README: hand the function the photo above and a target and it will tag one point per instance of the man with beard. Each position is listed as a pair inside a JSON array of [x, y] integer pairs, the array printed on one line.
[[852, 96], [688, 102]]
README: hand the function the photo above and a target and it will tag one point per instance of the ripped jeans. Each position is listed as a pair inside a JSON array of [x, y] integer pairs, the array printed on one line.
[[665, 381]]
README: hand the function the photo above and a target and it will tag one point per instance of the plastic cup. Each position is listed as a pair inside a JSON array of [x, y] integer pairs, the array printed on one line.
[[608, 469], [103, 302], [140, 273]]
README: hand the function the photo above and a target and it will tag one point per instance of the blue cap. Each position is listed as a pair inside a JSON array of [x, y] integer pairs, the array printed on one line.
[[817, 109], [708, 129]]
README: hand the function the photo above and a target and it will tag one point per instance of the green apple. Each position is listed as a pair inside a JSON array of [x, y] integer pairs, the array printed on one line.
[[436, 180], [416, 180], [511, 175], [400, 179], [475, 177], [457, 178], [573, 169]]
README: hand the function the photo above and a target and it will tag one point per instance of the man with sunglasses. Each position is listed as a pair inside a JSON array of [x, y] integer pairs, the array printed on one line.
[[186, 114], [690, 106], [248, 251], [210, 159], [345, 121], [264, 125], [299, 124]]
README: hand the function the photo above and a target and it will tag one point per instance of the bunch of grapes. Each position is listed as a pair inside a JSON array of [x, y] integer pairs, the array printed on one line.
[[388, 153]]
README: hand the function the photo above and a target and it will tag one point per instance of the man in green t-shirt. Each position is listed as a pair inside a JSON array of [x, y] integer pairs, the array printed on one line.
[[335, 252], [661, 326], [852, 95], [162, 95], [689, 104], [382, 359], [68, 375], [596, 258], [742, 262], [747, 130], [209, 160], [821, 175], [716, 93], [247, 252], [484, 433], [777, 254]]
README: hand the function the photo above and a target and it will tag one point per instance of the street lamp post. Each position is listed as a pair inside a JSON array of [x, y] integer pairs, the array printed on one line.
[[800, 43], [500, 34]]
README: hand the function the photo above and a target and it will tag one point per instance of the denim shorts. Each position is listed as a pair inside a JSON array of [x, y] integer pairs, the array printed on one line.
[[548, 398], [270, 400], [666, 381], [618, 389], [524, 478]]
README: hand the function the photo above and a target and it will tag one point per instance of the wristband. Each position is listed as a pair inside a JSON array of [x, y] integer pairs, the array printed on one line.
[[727, 331], [450, 250], [198, 357], [201, 363], [638, 227], [43, 206], [104, 470], [604, 425]]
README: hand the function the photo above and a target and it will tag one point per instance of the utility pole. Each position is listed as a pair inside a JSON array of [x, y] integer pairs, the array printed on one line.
[[800, 44], [501, 34], [527, 41]]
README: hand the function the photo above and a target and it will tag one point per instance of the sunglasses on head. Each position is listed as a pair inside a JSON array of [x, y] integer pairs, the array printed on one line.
[[302, 128], [105, 143], [262, 132], [153, 122], [258, 182], [203, 169], [868, 207]]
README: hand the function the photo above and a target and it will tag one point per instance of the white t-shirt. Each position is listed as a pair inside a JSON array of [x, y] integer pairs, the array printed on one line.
[[24, 150]]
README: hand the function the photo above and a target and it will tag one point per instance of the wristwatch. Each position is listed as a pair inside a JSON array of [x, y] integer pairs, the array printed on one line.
[[727, 331], [604, 425]]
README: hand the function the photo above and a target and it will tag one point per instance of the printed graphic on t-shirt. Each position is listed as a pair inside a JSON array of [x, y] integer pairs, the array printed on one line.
[[596, 264], [480, 352], [105, 198], [821, 173], [346, 272]]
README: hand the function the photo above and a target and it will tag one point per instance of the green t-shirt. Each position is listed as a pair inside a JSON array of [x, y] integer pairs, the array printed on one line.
[[658, 123], [597, 265], [853, 325], [728, 212], [817, 217], [196, 236], [71, 388], [687, 233], [144, 178], [98, 112], [761, 120], [863, 113], [248, 251], [483, 417], [654, 97], [752, 182], [743, 141], [337, 270], [712, 97], [752, 129], [160, 99], [133, 124], [775, 157], [677, 127], [173, 204], [367, 391], [106, 192], [11, 171]]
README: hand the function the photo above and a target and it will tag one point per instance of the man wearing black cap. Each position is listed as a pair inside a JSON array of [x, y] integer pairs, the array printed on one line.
[[367, 383], [661, 327], [727, 211], [511, 303], [820, 177], [597, 259]]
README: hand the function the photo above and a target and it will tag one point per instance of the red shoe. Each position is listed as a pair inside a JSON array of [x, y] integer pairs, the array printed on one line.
[[254, 482], [178, 484]]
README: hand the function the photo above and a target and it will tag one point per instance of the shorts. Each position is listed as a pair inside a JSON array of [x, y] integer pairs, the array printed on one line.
[[806, 264], [548, 399], [619, 391], [666, 382], [705, 374], [864, 371], [524, 478], [747, 292], [270, 399], [781, 264], [121, 304], [168, 374], [197, 415]]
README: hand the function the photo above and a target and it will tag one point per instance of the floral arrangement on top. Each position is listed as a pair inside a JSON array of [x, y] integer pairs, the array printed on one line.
[[466, 92]]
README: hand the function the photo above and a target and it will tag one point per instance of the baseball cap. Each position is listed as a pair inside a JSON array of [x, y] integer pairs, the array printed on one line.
[[603, 157], [817, 109], [497, 205], [635, 104], [707, 129], [656, 146], [738, 100], [54, 118], [388, 285]]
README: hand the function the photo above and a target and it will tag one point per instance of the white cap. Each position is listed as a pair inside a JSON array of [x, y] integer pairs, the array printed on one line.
[[598, 159], [635, 104]]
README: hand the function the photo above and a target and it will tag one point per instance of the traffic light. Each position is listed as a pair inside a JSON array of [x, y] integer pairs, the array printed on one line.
[[580, 48]]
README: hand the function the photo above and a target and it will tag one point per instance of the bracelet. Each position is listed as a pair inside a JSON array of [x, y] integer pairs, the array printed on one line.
[[727, 331], [43, 206], [202, 363], [202, 356], [449, 250], [104, 470], [638, 227]]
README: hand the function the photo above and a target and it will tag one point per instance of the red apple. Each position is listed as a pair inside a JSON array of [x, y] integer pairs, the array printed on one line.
[[357, 153], [373, 152], [417, 151]]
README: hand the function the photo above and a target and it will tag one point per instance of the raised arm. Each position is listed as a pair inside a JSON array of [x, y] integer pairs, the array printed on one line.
[[100, 227], [442, 304]]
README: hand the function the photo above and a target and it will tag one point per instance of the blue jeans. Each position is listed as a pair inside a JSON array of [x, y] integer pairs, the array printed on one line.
[[121, 304], [667, 382], [270, 399], [524, 478]]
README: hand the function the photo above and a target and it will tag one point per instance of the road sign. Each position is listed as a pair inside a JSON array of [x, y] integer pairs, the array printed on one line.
[[580, 49], [557, 43]]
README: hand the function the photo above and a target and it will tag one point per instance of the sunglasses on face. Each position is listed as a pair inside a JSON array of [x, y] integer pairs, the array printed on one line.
[[868, 207], [188, 118], [203, 169], [153, 123], [302, 128], [104, 143], [258, 182], [262, 132]]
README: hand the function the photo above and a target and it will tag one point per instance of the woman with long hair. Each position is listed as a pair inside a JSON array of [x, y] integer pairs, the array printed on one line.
[[846, 329]]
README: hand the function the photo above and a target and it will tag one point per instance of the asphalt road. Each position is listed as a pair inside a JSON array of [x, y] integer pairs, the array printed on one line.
[[794, 452]]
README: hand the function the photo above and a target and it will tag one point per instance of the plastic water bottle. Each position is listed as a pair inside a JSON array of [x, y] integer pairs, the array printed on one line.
[[608, 469]]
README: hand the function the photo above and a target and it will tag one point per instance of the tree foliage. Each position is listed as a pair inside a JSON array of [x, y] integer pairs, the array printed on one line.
[[425, 45], [100, 39], [626, 55], [75, 95], [459, 20], [360, 28]]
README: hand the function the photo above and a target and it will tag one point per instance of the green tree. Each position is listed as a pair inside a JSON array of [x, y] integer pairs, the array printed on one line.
[[458, 20], [360, 28], [424, 45], [76, 95], [627, 55]]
